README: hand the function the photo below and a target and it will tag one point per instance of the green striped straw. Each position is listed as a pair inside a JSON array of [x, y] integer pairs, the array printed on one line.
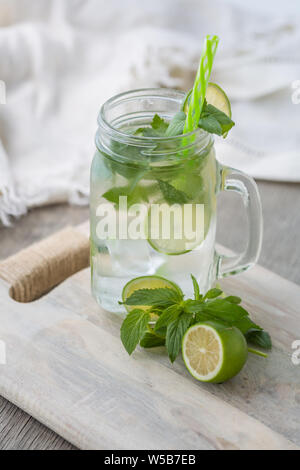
[[201, 82]]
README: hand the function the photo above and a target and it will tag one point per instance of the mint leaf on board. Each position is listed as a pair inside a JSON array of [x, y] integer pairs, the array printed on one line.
[[169, 314], [151, 340], [161, 297], [175, 332], [212, 293], [176, 125], [245, 324], [260, 338], [133, 328], [230, 314], [171, 194], [197, 294], [233, 299], [224, 310]]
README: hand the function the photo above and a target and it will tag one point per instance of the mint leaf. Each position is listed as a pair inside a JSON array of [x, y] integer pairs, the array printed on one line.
[[151, 340], [201, 316], [175, 332], [176, 126], [259, 338], [139, 194], [196, 288], [133, 329], [210, 124], [158, 128], [113, 194], [159, 124], [169, 314], [214, 121], [161, 297], [171, 194], [224, 120], [233, 299], [224, 310], [148, 132], [193, 306], [213, 293], [245, 324]]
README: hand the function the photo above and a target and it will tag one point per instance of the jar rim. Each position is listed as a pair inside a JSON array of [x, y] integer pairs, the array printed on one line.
[[130, 95]]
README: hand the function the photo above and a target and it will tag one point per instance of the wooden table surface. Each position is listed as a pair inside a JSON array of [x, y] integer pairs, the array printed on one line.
[[280, 253]]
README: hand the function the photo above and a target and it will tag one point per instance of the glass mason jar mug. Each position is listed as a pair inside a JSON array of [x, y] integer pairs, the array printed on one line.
[[153, 201]]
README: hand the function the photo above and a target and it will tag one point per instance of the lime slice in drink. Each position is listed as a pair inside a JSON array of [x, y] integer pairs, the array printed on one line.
[[146, 282], [177, 229], [213, 352], [215, 96]]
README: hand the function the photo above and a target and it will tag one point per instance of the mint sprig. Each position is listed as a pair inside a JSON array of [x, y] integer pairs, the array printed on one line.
[[176, 315], [211, 119]]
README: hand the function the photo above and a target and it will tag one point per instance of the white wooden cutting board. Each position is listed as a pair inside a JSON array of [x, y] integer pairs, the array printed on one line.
[[66, 367]]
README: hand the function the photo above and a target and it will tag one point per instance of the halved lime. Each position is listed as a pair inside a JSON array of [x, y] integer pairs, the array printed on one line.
[[215, 96], [213, 352], [177, 229], [146, 282]]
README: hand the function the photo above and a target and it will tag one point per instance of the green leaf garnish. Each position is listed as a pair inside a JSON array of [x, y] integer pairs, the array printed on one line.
[[260, 338], [159, 124], [196, 288], [133, 329], [233, 299], [151, 340], [175, 332], [212, 293], [171, 194], [169, 314], [162, 297], [176, 315], [214, 121], [176, 126], [138, 194], [224, 310], [158, 128]]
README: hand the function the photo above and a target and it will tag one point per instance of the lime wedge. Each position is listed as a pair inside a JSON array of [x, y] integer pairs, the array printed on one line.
[[146, 282], [215, 96], [181, 232], [213, 352], [218, 98]]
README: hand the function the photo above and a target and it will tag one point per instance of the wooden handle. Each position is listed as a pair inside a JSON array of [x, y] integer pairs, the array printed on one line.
[[34, 271]]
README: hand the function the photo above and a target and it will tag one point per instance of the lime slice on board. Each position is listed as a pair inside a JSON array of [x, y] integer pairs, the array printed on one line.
[[180, 233], [215, 96], [146, 282], [213, 352]]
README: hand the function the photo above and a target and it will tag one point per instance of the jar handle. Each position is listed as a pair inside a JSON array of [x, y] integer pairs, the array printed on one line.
[[238, 182]]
